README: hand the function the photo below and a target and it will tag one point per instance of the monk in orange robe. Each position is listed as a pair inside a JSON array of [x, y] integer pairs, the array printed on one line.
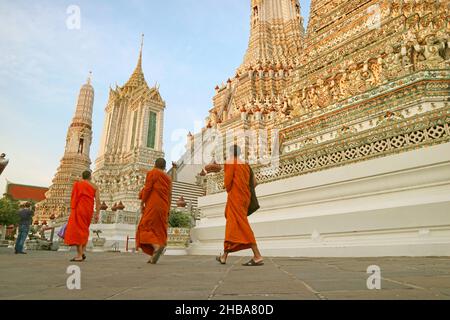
[[156, 196], [238, 233], [84, 194]]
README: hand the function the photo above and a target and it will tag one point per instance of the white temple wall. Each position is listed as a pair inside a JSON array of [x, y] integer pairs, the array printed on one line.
[[189, 173], [392, 206]]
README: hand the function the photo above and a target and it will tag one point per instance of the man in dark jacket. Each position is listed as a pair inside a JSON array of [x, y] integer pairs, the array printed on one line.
[[26, 216]]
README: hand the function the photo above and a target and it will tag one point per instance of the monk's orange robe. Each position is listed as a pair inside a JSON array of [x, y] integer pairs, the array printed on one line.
[[238, 234], [156, 195], [82, 210]]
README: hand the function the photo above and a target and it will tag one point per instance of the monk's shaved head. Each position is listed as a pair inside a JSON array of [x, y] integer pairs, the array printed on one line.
[[235, 151], [160, 163], [86, 175]]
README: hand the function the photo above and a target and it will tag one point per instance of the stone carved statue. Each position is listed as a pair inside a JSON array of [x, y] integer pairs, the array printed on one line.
[[312, 98], [408, 56], [3, 162], [367, 78], [296, 107], [391, 63], [430, 50], [323, 95], [255, 17], [376, 69], [297, 103], [355, 81], [343, 87], [285, 108], [334, 90], [444, 39], [278, 103], [303, 99]]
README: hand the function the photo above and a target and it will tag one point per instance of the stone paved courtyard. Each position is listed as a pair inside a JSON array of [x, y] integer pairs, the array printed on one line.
[[42, 275]]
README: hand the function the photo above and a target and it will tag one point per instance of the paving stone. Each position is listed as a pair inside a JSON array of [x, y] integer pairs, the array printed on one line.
[[437, 281], [157, 294], [271, 296], [349, 285], [383, 295], [42, 275]]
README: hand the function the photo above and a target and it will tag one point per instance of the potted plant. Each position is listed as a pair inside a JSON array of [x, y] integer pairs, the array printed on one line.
[[179, 229], [98, 242]]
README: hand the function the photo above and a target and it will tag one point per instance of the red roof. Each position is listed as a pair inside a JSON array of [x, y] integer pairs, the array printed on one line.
[[24, 192]]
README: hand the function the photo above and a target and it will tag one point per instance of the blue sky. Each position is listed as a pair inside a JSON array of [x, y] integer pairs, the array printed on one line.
[[190, 46]]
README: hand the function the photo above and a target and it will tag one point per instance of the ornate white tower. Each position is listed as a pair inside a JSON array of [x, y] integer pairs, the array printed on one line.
[[255, 99], [276, 33], [275, 45], [132, 140], [75, 160]]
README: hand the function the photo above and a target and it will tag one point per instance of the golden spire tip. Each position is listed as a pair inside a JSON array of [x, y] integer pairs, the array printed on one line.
[[89, 79]]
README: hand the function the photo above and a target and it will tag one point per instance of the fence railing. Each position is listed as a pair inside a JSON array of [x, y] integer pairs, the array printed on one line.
[[114, 217]]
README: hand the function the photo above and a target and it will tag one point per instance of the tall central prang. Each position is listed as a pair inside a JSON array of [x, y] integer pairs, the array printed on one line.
[[132, 140], [255, 100]]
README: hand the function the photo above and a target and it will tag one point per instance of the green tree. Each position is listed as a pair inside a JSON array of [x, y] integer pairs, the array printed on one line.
[[178, 219], [8, 211]]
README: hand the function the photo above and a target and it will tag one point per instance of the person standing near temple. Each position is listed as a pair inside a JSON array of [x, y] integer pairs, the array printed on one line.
[[156, 197], [238, 233], [84, 195], [26, 216]]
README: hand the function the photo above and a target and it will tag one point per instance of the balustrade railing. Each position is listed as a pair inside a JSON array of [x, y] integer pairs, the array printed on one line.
[[117, 217]]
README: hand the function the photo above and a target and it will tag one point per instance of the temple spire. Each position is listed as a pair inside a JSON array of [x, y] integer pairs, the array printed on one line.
[[89, 79], [140, 53], [137, 78], [76, 158], [276, 32], [85, 103]]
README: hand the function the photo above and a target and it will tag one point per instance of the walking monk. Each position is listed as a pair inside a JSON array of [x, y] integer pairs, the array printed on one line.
[[156, 196], [238, 234], [84, 194]]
